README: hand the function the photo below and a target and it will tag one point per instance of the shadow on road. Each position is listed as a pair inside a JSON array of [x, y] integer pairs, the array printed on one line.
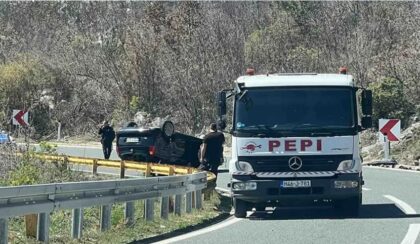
[[367, 211]]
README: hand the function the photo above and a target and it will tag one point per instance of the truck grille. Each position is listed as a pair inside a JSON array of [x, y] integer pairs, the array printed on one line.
[[309, 162]]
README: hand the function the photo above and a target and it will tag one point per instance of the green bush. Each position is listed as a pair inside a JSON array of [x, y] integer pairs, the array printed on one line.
[[47, 147], [31, 170], [390, 101], [25, 174]]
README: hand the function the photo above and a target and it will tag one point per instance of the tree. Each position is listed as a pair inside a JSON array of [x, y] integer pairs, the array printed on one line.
[[390, 101]]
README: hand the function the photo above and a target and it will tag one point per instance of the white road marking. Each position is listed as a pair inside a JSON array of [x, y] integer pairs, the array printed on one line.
[[223, 191], [407, 209], [200, 232], [412, 234], [392, 169], [366, 189]]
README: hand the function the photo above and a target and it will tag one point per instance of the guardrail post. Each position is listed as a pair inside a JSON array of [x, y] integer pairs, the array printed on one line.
[[3, 231], [77, 223], [178, 204], [208, 191], [129, 213], [171, 199], [66, 161], [198, 199], [149, 209], [31, 221], [188, 202], [95, 167], [148, 170], [193, 199], [164, 208], [171, 170], [122, 170], [43, 227], [106, 217]]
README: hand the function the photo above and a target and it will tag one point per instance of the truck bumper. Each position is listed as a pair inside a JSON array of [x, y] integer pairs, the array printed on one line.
[[322, 190]]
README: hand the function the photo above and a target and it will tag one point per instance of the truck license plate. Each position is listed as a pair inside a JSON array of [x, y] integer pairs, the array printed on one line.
[[295, 184]]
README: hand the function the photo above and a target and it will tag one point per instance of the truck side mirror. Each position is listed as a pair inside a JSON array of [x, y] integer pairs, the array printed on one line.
[[367, 102], [221, 124], [221, 103], [221, 110], [366, 122]]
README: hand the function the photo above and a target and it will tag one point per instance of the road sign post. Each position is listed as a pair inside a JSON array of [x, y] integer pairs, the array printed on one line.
[[389, 130], [386, 148]]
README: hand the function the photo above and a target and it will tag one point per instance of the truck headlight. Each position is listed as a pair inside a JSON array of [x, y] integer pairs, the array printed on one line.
[[244, 167], [346, 165], [344, 184], [244, 186]]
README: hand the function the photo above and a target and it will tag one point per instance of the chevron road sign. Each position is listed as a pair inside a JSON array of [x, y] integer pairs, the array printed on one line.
[[20, 117], [391, 128]]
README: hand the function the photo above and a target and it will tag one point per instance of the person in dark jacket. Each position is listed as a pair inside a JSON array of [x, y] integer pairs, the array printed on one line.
[[211, 155], [108, 136]]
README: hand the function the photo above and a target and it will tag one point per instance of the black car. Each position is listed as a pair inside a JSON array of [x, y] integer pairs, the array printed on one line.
[[159, 145]]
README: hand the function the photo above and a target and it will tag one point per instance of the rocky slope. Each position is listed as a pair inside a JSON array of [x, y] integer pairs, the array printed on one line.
[[405, 152]]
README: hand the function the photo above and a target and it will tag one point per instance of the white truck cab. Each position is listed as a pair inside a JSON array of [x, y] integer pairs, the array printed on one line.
[[295, 140]]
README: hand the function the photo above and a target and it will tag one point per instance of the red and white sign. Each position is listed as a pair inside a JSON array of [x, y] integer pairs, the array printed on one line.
[[391, 128], [294, 146], [20, 117]]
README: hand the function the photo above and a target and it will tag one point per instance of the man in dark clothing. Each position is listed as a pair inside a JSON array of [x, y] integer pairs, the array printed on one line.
[[211, 155], [108, 135]]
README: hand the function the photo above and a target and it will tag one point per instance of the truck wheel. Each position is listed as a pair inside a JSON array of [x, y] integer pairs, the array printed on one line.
[[240, 208], [349, 207]]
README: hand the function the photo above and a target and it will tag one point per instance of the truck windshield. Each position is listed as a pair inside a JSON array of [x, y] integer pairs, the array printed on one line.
[[295, 109]]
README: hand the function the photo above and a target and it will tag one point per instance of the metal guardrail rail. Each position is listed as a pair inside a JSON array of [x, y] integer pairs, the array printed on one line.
[[46, 198], [147, 168]]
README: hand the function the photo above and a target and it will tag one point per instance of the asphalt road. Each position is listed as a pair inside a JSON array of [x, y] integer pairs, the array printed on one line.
[[391, 203], [83, 151], [381, 220]]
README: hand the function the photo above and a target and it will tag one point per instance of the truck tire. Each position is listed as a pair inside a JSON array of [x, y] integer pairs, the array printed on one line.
[[240, 208], [350, 206]]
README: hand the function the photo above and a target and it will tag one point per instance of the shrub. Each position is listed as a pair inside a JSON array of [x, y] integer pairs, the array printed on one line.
[[390, 101]]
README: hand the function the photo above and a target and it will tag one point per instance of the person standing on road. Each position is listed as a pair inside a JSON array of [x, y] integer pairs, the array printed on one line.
[[108, 135], [211, 155]]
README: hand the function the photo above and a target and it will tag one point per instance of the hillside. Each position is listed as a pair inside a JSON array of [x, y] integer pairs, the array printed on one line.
[[406, 152], [78, 63]]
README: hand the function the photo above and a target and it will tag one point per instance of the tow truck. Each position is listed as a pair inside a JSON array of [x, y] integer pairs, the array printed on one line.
[[295, 140]]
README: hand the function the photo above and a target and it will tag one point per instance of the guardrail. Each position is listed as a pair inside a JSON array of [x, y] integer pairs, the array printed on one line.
[[44, 199], [147, 168]]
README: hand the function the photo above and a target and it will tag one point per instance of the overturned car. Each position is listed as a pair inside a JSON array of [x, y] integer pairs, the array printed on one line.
[[158, 145]]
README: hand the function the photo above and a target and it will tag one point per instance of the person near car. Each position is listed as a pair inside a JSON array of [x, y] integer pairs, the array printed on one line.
[[108, 136], [211, 154]]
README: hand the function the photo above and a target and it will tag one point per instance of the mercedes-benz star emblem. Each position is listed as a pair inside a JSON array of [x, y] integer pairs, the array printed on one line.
[[295, 163]]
